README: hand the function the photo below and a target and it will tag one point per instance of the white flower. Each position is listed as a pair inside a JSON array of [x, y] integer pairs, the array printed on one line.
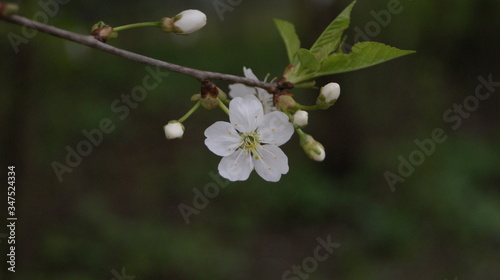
[[300, 118], [328, 95], [250, 141], [174, 129], [241, 90]]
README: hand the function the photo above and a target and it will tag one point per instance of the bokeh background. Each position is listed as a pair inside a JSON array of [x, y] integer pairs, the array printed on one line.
[[118, 209]]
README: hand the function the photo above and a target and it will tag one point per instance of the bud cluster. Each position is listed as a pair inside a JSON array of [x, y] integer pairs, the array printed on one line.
[[300, 117]]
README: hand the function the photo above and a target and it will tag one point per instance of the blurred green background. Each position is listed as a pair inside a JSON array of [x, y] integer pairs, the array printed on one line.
[[119, 207]]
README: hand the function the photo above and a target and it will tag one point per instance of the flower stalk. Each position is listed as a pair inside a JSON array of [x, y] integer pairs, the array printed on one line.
[[222, 106], [137, 25], [190, 112]]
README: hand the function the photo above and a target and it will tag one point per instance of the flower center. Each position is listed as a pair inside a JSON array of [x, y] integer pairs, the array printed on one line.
[[250, 142]]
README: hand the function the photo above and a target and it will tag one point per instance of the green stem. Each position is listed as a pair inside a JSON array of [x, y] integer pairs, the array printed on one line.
[[300, 132], [222, 106], [305, 107], [190, 112], [136, 25]]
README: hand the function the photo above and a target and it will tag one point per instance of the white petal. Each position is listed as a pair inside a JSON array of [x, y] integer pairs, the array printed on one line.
[[236, 167], [275, 129], [222, 138], [271, 163], [266, 99], [249, 73], [244, 113], [240, 90]]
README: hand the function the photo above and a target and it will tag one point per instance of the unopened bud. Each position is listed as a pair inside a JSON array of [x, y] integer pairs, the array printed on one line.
[[328, 95], [209, 94], [184, 23], [103, 32], [173, 129], [286, 102], [7, 9], [313, 148], [300, 118], [209, 89]]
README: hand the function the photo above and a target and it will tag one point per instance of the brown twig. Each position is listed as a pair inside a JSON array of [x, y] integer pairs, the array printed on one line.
[[90, 41]]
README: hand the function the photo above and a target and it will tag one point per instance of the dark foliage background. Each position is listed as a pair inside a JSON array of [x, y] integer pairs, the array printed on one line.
[[119, 207]]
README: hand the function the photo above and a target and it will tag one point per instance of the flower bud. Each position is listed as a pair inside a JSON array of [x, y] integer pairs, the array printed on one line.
[[209, 103], [7, 9], [328, 95], [313, 148], [184, 23], [210, 94], [174, 129], [103, 32], [285, 102], [300, 118]]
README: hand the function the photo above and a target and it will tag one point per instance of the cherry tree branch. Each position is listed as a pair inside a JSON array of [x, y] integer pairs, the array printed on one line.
[[90, 41]]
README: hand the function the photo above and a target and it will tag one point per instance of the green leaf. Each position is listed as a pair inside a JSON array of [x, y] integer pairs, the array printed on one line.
[[364, 54], [307, 60], [289, 36], [330, 39]]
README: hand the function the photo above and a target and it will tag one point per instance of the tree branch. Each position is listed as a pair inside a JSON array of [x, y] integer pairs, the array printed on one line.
[[90, 41]]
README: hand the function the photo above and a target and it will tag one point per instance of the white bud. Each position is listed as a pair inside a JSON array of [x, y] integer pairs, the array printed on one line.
[[331, 92], [328, 95], [174, 129], [313, 148], [300, 118], [318, 154], [184, 23], [189, 21]]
